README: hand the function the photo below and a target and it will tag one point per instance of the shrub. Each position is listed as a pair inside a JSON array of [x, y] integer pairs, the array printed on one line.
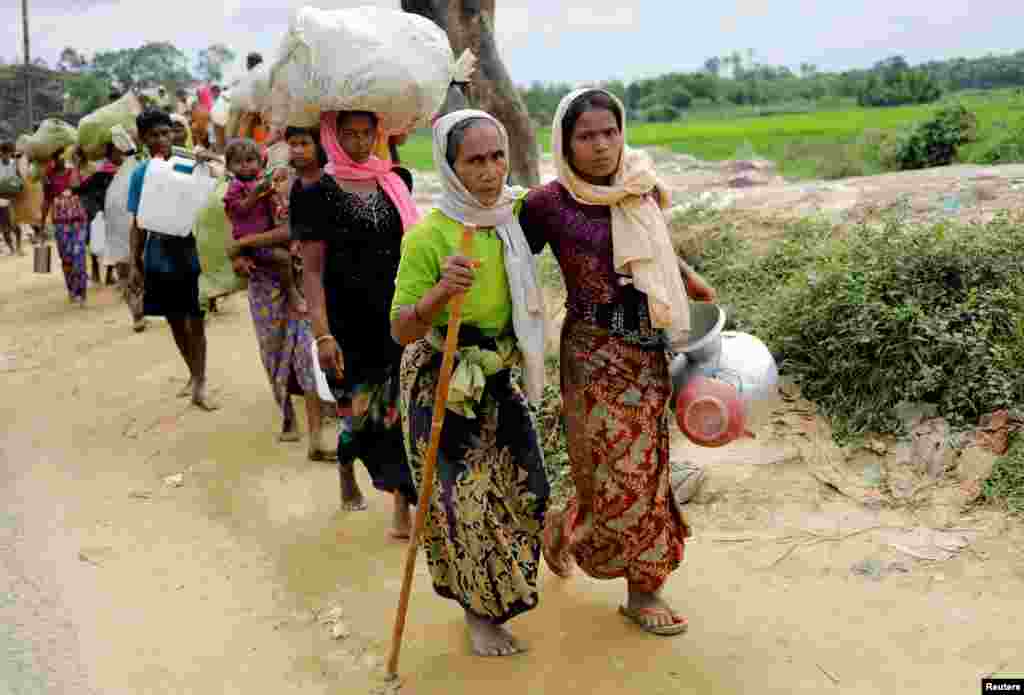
[[1008, 148], [1006, 482], [935, 142], [660, 113], [881, 147], [845, 161], [886, 314]]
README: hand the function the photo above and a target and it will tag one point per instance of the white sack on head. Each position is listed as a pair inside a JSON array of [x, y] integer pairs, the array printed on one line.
[[395, 64], [252, 93]]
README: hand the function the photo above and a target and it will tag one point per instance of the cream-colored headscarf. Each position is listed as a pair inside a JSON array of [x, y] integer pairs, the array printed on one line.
[[641, 244], [459, 204]]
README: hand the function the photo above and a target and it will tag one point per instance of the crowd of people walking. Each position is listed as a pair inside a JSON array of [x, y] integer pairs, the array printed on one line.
[[338, 256]]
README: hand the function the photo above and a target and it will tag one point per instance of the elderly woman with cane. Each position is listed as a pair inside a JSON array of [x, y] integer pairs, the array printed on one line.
[[483, 524], [627, 304]]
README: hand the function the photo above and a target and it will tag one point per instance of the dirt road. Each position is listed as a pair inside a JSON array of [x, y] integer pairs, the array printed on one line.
[[117, 582]]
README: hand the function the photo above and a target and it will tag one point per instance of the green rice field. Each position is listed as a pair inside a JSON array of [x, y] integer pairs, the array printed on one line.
[[804, 145]]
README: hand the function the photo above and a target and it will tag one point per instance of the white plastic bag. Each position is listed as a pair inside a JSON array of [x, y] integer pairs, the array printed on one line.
[[97, 235], [173, 193], [117, 219], [322, 389], [252, 93], [278, 156], [395, 64]]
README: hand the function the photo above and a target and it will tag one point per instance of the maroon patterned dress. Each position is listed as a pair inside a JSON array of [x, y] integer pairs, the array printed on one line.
[[615, 386]]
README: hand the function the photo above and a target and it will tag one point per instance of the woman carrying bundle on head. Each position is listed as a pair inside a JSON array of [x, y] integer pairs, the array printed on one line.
[[181, 132], [482, 534], [627, 304], [70, 220], [200, 121], [93, 192], [350, 221], [26, 206], [9, 173]]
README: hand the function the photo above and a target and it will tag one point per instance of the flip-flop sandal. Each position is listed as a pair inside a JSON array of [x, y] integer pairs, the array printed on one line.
[[679, 624], [553, 538], [318, 455]]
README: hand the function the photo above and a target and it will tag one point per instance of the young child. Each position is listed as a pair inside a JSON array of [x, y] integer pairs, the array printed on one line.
[[248, 205]]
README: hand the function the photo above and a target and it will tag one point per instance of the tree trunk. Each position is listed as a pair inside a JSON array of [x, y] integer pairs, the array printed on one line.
[[470, 24]]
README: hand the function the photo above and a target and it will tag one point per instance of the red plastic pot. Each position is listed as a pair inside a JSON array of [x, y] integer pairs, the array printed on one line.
[[710, 412]]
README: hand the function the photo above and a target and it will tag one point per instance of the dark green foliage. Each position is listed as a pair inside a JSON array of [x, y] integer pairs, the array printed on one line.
[[935, 142], [894, 83], [157, 62]]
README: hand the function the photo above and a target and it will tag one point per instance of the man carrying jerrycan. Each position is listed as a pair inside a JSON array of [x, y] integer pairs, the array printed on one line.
[[167, 266]]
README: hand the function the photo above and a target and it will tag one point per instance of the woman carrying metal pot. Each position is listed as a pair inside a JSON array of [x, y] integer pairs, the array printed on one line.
[[627, 305]]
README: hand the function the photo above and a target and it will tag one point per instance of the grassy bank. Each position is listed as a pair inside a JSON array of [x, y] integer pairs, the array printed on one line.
[[883, 318], [819, 144]]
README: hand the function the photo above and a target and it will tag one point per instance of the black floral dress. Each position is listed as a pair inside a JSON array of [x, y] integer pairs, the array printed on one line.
[[363, 236]]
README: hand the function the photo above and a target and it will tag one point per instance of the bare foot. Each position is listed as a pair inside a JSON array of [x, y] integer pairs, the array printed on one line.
[[489, 639], [652, 614], [201, 400], [322, 447], [351, 496], [186, 390], [401, 523]]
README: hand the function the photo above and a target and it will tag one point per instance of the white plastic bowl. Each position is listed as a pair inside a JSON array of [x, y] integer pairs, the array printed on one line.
[[322, 389]]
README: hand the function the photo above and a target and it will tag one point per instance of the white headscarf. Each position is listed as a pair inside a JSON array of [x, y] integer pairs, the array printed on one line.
[[459, 204], [641, 244]]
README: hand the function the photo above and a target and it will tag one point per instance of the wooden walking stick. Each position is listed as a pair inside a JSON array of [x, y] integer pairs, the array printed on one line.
[[427, 487]]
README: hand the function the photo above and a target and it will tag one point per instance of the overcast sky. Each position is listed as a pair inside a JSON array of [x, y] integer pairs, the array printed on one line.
[[548, 40]]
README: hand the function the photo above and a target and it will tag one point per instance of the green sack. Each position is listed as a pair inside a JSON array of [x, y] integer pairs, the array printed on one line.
[[11, 186], [94, 129], [213, 231], [53, 136]]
